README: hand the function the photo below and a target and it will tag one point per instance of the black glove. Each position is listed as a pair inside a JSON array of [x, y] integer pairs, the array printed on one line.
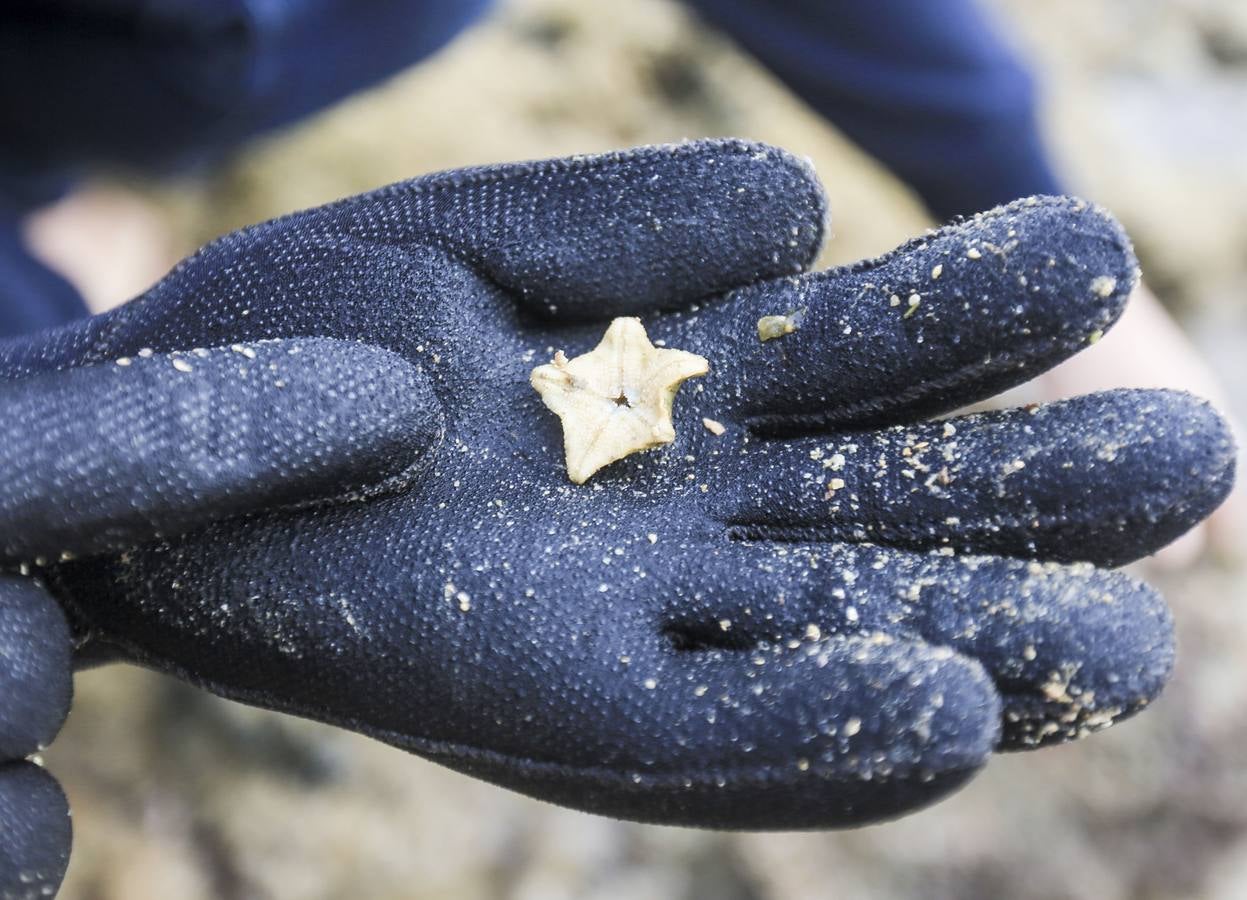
[[107, 456], [831, 613]]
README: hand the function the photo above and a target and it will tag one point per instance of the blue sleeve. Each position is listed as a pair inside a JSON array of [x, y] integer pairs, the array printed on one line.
[[32, 296], [160, 84], [163, 82], [925, 86]]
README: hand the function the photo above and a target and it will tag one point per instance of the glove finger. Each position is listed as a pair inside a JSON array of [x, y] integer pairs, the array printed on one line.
[[593, 237], [427, 267], [1107, 478], [35, 832], [646, 700], [36, 684], [1070, 648], [106, 456], [838, 732], [996, 300]]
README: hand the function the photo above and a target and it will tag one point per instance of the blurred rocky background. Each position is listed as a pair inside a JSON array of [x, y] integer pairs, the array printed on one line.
[[180, 796]]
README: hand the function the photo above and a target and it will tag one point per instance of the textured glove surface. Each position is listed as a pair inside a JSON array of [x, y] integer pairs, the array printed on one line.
[[831, 613]]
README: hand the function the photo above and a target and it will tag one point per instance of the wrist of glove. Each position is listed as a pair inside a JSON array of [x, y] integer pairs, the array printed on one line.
[[834, 611]]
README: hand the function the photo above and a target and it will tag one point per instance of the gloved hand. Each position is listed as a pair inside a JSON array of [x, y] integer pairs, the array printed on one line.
[[831, 613], [113, 455]]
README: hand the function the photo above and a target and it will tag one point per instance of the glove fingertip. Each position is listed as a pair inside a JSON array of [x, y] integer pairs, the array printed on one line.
[[1174, 456], [37, 831], [1066, 263], [165, 443], [658, 227], [1090, 662], [35, 668], [371, 414]]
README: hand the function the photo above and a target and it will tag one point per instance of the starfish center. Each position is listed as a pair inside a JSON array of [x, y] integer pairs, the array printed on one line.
[[627, 370]]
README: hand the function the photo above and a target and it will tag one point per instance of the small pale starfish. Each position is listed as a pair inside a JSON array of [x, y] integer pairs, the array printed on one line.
[[616, 399]]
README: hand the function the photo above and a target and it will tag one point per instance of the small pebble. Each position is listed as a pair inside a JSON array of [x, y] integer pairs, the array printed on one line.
[[771, 327], [1103, 286]]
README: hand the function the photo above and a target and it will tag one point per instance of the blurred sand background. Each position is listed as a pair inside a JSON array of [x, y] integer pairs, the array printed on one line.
[[180, 796]]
